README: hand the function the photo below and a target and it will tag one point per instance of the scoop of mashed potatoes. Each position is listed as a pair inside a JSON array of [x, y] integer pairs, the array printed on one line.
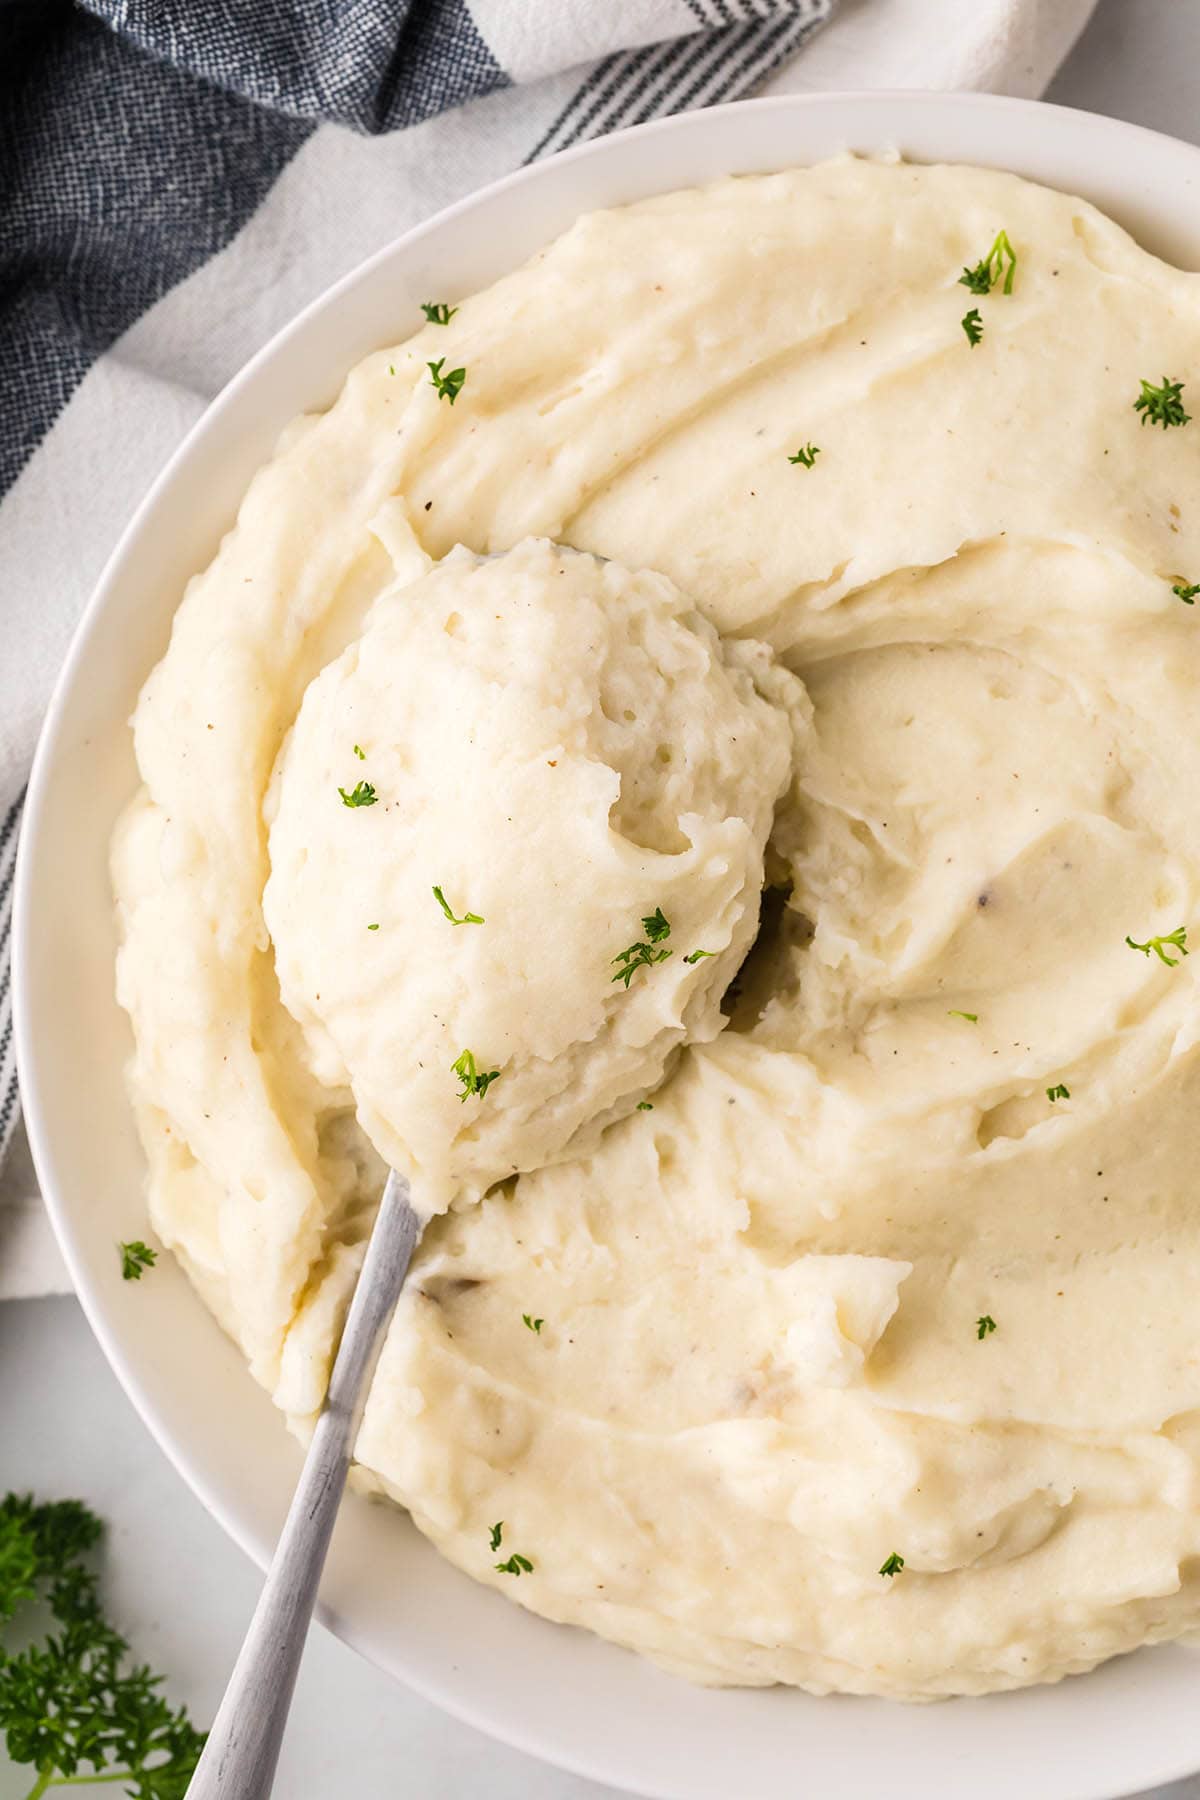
[[553, 871], [867, 1358]]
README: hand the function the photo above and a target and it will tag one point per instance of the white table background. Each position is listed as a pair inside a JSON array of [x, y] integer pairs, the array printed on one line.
[[179, 1589]]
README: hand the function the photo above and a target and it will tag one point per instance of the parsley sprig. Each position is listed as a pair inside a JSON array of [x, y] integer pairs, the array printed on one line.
[[532, 1324], [1155, 945], [640, 956], [1162, 405], [1186, 591], [448, 386], [1001, 259], [437, 312], [806, 456], [70, 1706], [473, 1082], [466, 919], [361, 794], [136, 1256]]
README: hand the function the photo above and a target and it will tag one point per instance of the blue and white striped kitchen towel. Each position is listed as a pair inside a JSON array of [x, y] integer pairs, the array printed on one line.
[[178, 178]]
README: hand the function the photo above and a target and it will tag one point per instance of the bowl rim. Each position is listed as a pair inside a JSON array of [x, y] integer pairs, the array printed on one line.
[[471, 1710]]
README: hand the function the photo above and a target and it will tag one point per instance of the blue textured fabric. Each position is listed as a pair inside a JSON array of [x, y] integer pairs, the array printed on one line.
[[375, 66], [118, 176]]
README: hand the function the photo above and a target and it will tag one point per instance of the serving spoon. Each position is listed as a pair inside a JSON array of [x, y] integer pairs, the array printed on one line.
[[238, 1761]]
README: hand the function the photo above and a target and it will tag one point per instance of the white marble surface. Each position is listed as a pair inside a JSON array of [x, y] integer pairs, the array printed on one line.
[[178, 1587]]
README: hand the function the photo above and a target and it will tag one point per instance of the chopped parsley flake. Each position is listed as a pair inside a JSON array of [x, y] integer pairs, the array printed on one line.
[[472, 1081], [372, 927], [1000, 259], [360, 753], [984, 1326], [136, 1256], [437, 312], [640, 956], [645, 1106], [1060, 1091], [695, 955], [656, 926], [806, 455], [972, 324], [497, 1531], [467, 918], [1186, 591], [1162, 405], [1177, 938], [971, 1018], [893, 1565], [515, 1565], [361, 794], [532, 1324], [448, 386]]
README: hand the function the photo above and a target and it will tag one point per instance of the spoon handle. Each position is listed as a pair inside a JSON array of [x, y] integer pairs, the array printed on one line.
[[238, 1762]]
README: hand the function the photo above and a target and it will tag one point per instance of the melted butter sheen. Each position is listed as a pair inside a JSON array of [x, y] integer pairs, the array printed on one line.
[[759, 1373]]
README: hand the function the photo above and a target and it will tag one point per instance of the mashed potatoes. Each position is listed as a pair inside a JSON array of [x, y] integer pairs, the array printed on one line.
[[866, 1358], [559, 749]]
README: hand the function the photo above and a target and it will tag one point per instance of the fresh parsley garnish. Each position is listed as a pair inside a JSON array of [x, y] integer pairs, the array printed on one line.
[[497, 1532], [472, 1081], [532, 1324], [984, 1325], [971, 1018], [515, 1564], [360, 753], [448, 386], [373, 927], [136, 1256], [806, 456], [1162, 405], [640, 956], [361, 794], [1186, 591], [893, 1565], [1177, 938], [645, 1106], [1060, 1091], [1001, 258], [467, 918], [972, 324], [437, 312], [69, 1706], [695, 955]]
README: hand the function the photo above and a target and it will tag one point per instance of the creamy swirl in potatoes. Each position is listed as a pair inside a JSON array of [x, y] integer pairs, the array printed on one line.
[[834, 1324]]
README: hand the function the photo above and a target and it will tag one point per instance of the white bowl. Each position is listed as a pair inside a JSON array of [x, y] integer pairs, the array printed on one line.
[[555, 1692]]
